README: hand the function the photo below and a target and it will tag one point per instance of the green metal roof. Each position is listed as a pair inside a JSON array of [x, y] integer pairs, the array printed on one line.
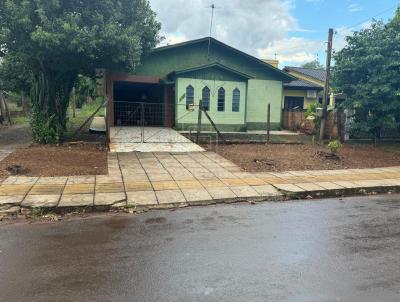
[[239, 52]]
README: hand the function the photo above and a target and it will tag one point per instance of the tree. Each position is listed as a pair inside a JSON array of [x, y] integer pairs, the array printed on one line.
[[367, 71], [55, 40], [313, 64]]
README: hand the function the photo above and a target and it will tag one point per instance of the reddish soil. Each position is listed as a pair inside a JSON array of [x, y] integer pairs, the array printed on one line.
[[64, 160], [284, 157]]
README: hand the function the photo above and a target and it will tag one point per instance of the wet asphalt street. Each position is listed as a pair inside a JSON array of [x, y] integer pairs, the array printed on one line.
[[320, 250]]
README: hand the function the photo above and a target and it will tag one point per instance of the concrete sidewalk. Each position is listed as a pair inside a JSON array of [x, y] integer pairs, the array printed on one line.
[[160, 180]]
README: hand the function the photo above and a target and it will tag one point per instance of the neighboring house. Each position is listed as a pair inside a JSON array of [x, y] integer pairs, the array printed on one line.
[[165, 89], [308, 89]]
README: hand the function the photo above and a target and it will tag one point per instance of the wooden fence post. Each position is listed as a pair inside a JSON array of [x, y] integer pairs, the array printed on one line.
[[199, 121], [268, 122]]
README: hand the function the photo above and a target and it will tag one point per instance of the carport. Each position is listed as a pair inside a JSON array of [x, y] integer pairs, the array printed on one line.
[[139, 101]]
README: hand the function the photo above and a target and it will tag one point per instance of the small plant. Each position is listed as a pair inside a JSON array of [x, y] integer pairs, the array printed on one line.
[[335, 147]]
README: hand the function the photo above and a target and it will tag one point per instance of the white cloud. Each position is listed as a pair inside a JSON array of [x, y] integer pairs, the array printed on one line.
[[258, 27], [292, 51], [246, 25], [354, 7]]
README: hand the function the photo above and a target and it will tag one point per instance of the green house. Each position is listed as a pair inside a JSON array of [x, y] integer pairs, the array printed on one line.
[[166, 88]]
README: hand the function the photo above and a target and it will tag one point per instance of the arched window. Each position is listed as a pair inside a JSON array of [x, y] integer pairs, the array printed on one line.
[[189, 96], [206, 98], [221, 99], [235, 100]]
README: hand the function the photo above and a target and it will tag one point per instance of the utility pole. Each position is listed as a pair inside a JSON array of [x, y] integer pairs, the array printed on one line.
[[326, 86]]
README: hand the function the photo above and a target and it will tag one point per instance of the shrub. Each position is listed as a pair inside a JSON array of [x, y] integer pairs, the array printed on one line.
[[42, 132], [334, 146]]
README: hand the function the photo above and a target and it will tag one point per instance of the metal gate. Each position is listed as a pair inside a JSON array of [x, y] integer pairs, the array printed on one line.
[[139, 113], [145, 122]]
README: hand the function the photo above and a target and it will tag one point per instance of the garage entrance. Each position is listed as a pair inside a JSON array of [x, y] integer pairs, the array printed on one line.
[[142, 104]]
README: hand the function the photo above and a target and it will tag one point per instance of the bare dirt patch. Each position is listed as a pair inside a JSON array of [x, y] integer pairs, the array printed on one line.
[[64, 160], [285, 157]]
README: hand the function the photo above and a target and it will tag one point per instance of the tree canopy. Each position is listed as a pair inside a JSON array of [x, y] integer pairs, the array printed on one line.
[[313, 64], [55, 40], [367, 70]]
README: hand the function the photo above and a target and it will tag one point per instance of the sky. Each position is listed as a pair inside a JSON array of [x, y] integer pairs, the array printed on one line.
[[293, 31]]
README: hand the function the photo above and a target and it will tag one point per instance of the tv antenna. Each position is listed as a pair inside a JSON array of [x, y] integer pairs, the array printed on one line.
[[211, 24]]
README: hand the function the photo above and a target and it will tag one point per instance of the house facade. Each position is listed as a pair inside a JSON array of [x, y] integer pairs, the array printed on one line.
[[166, 88]]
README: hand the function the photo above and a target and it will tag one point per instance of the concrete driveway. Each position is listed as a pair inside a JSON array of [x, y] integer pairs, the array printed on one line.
[[326, 250], [150, 139]]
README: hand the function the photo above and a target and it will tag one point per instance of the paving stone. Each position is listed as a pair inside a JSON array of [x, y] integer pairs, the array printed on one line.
[[141, 198], [288, 188], [204, 175], [135, 177], [46, 189], [244, 191], [253, 181], [309, 187], [221, 193], [17, 189], [41, 201], [52, 180], [19, 180], [14, 199], [164, 185], [329, 185], [267, 190], [346, 184], [212, 183], [233, 181], [86, 179], [170, 196], [159, 177], [82, 188], [199, 194], [110, 188], [395, 182], [138, 186], [274, 180], [102, 199], [105, 179], [373, 183], [76, 200], [189, 184]]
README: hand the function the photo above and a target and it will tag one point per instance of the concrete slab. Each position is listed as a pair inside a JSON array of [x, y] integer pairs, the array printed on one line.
[[76, 200], [141, 198], [309, 187], [17, 189], [19, 180], [329, 185], [267, 190], [198, 194], [102, 199], [164, 185], [138, 186], [79, 188], [152, 139], [15, 199], [170, 196], [110, 188], [244, 191], [289, 188], [221, 193], [41, 201]]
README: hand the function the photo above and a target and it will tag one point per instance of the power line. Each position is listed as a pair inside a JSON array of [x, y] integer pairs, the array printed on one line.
[[366, 20]]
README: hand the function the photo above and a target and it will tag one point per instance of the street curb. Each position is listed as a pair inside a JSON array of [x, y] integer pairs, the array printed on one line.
[[119, 207]]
